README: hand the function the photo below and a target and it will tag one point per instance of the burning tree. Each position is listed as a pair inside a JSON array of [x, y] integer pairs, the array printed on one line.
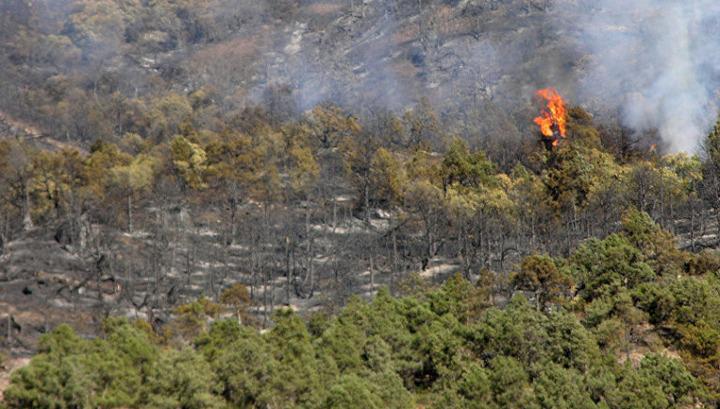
[[553, 119]]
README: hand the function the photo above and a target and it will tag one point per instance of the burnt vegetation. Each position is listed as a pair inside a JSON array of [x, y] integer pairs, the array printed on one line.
[[219, 230]]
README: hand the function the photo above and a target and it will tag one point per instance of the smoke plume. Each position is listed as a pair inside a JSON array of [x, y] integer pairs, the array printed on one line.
[[659, 60]]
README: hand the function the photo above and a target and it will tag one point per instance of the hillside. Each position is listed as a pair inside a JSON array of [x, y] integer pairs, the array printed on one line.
[[90, 69], [359, 203]]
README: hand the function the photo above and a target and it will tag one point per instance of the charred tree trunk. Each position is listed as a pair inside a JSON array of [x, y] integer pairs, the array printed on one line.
[[372, 273], [309, 254], [366, 192], [129, 213], [288, 268], [395, 259], [27, 219]]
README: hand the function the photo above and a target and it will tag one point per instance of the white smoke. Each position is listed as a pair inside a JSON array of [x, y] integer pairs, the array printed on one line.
[[660, 59]]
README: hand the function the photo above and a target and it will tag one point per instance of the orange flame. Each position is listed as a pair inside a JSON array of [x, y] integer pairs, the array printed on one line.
[[554, 117]]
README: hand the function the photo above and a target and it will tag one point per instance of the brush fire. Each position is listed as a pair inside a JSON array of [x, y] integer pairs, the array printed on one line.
[[553, 119]]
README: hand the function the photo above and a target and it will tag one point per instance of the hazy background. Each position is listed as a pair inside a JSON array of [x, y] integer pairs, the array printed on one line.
[[648, 65]]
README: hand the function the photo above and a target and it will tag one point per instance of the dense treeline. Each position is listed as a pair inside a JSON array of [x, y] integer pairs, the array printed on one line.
[[279, 191], [285, 186], [628, 321]]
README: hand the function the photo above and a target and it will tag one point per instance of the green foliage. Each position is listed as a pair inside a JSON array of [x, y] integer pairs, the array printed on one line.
[[387, 353], [541, 275], [192, 318], [167, 114], [238, 297], [182, 379], [387, 178], [190, 161], [511, 384], [352, 392], [655, 299], [292, 348], [557, 387], [465, 168], [71, 372], [605, 267], [245, 368], [574, 173], [657, 245], [457, 297]]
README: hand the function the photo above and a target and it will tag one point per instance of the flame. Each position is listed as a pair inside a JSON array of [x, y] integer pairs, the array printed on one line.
[[554, 117]]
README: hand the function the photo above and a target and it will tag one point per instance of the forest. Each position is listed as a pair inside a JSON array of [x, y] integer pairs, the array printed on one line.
[[189, 220], [628, 321], [583, 277]]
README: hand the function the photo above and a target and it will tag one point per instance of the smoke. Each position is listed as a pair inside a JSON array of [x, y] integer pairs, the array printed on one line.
[[656, 62], [659, 59], [361, 75]]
